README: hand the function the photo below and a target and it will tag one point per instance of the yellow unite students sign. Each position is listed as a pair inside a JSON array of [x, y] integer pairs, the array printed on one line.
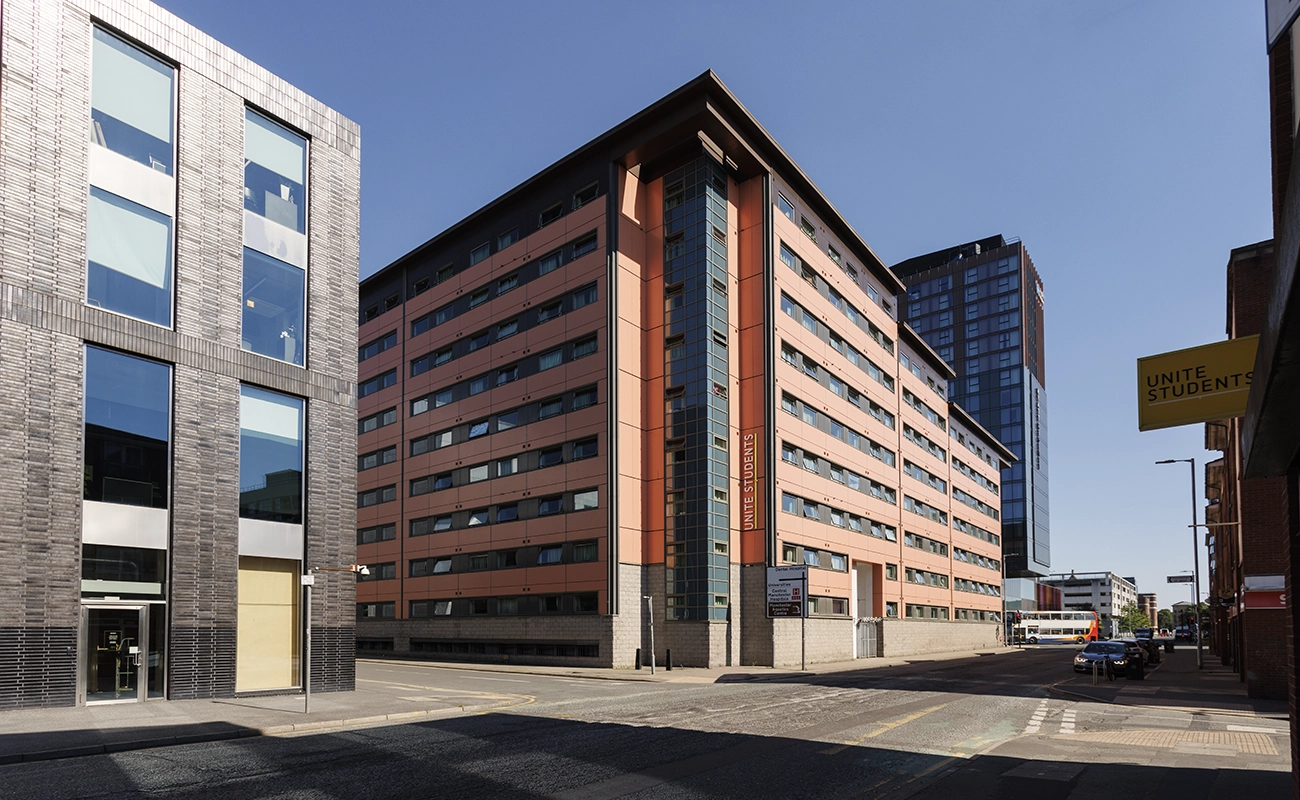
[[1198, 384]]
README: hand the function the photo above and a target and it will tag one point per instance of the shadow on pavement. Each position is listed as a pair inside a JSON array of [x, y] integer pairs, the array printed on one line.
[[516, 756]]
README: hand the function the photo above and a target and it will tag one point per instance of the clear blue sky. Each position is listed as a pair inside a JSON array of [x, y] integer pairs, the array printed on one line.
[[1125, 142]]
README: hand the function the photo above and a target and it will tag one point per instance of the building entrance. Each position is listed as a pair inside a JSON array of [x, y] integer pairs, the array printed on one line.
[[121, 652]]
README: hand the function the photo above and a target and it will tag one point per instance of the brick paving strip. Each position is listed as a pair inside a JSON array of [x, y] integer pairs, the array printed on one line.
[[1259, 744]]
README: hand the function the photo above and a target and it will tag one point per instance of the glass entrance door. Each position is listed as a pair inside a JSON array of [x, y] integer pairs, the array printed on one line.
[[117, 653]]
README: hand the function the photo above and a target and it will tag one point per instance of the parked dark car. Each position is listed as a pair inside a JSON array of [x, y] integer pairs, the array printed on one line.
[[1150, 649], [1119, 654]]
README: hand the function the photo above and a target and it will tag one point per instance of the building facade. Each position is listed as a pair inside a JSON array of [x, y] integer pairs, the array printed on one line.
[[637, 380], [174, 367], [980, 305], [1103, 592], [1247, 540], [1150, 605]]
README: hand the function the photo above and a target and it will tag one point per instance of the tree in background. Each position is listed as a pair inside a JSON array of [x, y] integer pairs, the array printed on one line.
[[1166, 617], [1130, 618]]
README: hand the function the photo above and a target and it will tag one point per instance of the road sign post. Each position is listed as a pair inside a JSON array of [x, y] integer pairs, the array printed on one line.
[[787, 596]]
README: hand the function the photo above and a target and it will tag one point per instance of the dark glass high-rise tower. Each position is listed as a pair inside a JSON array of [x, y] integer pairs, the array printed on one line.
[[980, 304]]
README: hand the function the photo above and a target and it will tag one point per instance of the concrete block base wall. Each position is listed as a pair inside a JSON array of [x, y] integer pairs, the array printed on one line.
[[910, 637], [753, 640]]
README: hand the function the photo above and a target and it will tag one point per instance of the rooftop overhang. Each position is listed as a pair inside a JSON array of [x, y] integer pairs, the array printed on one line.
[[702, 113], [962, 415], [1271, 429]]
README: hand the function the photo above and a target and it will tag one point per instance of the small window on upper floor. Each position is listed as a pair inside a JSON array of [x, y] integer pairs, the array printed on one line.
[[479, 253], [584, 245], [275, 172], [785, 206], [549, 215], [549, 263], [508, 238], [507, 283], [835, 255], [807, 228], [132, 102], [420, 286], [584, 196]]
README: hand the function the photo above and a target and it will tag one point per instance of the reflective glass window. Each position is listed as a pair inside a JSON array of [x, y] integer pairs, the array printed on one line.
[[270, 455], [273, 308], [129, 258], [128, 427], [131, 102], [275, 172]]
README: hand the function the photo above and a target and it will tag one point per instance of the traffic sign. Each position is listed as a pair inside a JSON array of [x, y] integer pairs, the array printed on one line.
[[787, 591], [1181, 578]]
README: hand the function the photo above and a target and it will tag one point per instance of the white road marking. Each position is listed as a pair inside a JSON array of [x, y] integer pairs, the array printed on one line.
[[1036, 721], [502, 680], [1067, 722], [1253, 729]]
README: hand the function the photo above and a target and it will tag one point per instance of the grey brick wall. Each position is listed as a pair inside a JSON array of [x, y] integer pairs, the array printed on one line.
[[908, 637], [44, 323]]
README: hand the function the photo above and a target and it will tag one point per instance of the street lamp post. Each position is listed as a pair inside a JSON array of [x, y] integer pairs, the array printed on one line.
[[1196, 561], [308, 581]]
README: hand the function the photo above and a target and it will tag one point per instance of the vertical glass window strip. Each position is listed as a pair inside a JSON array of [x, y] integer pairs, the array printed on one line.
[[132, 102], [127, 429], [275, 172], [274, 300], [270, 455], [128, 258]]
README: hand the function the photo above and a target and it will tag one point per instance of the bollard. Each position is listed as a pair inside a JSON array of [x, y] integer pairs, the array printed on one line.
[[1096, 669], [668, 660], [638, 658]]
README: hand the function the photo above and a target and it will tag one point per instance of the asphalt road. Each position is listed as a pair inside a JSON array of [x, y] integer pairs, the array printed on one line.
[[975, 728]]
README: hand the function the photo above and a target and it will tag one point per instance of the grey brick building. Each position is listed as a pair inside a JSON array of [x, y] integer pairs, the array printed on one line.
[[179, 398]]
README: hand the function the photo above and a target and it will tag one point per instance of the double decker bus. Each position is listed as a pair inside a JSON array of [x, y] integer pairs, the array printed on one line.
[[1056, 626]]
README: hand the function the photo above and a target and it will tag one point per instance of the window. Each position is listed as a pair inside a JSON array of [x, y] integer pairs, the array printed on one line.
[[584, 196], [584, 551], [376, 610], [371, 460], [275, 166], [508, 606], [441, 566], [549, 555], [551, 407], [274, 298], [785, 206], [127, 429], [131, 102], [584, 347], [380, 533], [129, 258], [549, 505], [835, 255], [550, 359], [508, 420], [478, 385], [478, 297], [507, 513], [507, 328], [478, 340], [549, 263], [583, 398], [549, 215], [386, 417], [807, 228], [478, 473], [508, 374], [507, 283], [584, 449], [549, 457], [478, 516], [371, 497], [891, 572], [378, 346], [811, 558], [480, 253], [507, 466], [550, 311], [585, 500], [508, 238], [584, 296], [584, 245], [271, 456], [478, 562], [377, 383]]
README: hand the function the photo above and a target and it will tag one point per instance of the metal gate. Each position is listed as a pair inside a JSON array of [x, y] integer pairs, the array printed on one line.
[[868, 632]]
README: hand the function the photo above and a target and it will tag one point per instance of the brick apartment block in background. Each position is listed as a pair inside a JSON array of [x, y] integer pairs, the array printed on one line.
[[1247, 560], [656, 367], [178, 241]]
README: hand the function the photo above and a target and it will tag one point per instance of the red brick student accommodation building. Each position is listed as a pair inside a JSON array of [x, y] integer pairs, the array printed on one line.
[[653, 369]]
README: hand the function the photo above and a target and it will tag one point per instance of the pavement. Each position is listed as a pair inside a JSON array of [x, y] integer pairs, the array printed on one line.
[[1175, 684], [41, 734]]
